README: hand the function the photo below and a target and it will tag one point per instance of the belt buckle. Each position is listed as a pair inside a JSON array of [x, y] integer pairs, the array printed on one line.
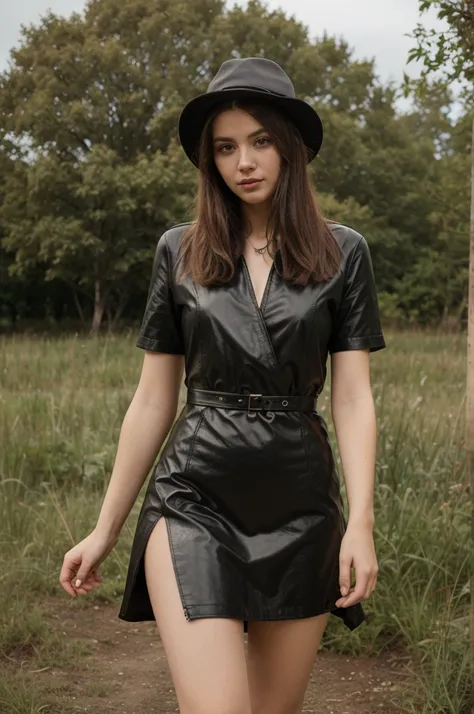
[[249, 406]]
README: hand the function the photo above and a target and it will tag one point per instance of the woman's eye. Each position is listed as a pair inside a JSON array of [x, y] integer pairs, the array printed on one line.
[[226, 146]]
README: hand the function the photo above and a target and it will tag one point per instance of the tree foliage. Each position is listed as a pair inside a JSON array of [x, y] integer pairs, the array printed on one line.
[[451, 50], [93, 172]]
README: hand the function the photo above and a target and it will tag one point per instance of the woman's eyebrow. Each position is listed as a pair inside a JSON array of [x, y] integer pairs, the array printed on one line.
[[250, 136]]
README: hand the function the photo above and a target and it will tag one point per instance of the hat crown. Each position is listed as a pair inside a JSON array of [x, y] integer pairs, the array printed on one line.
[[243, 79], [253, 73]]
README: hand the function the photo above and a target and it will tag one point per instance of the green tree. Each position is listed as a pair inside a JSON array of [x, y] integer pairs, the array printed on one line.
[[452, 50], [93, 98], [91, 104]]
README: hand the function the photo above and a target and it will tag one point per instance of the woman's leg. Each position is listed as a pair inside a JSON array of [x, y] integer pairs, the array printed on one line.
[[206, 657], [280, 659]]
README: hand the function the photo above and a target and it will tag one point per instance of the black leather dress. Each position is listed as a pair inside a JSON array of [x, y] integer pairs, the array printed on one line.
[[251, 500]]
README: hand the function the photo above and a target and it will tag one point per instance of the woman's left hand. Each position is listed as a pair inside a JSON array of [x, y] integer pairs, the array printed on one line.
[[358, 550]]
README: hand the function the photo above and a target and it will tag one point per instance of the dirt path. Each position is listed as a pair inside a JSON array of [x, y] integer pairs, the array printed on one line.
[[127, 671]]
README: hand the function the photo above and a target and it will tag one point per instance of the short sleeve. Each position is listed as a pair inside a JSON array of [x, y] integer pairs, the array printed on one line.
[[161, 325], [357, 322]]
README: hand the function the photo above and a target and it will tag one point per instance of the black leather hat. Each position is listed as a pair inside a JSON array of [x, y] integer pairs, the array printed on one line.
[[246, 78]]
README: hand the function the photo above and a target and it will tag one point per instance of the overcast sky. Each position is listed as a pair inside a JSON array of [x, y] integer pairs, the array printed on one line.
[[373, 28]]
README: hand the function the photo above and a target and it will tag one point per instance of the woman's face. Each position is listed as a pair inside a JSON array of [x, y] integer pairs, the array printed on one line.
[[243, 150]]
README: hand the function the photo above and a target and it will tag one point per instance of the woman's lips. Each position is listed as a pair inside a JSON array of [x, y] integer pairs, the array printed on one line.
[[251, 185]]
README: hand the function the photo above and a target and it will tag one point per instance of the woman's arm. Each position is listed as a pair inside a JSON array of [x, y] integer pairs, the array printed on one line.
[[353, 415], [145, 426]]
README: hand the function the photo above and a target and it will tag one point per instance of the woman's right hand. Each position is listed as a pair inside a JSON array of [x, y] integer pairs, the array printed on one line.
[[81, 563]]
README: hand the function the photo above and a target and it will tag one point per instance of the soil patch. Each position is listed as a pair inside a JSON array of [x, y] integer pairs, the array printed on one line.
[[127, 671]]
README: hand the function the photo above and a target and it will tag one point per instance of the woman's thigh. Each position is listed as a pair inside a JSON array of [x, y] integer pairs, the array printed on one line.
[[281, 656], [206, 657]]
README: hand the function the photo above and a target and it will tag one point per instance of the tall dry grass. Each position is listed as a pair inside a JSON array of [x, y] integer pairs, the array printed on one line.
[[62, 401]]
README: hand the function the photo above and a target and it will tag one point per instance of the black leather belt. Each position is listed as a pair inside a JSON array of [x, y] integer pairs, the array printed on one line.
[[251, 402]]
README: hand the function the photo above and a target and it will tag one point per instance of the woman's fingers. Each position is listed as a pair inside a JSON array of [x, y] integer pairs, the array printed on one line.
[[75, 569], [363, 588], [92, 580], [79, 573], [69, 568], [344, 575], [357, 594], [371, 587], [84, 588]]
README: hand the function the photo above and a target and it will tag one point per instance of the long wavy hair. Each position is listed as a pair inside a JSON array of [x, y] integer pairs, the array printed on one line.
[[214, 241]]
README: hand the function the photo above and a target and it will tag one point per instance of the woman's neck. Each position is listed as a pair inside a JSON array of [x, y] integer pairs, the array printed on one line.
[[257, 219]]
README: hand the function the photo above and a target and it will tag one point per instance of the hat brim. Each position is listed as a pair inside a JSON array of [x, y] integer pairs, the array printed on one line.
[[193, 117]]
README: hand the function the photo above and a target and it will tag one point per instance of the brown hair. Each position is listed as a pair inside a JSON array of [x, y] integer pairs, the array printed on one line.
[[214, 241]]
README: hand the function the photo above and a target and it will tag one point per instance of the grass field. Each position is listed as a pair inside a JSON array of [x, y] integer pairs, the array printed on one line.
[[62, 401]]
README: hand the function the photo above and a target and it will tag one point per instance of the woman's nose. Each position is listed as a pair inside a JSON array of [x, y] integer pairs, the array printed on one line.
[[246, 160]]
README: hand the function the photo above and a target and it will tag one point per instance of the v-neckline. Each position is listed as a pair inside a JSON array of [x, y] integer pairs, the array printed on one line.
[[260, 307]]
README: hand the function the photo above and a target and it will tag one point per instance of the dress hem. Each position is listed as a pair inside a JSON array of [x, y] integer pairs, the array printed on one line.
[[199, 612]]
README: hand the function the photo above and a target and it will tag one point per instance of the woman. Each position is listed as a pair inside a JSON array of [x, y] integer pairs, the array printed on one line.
[[242, 521]]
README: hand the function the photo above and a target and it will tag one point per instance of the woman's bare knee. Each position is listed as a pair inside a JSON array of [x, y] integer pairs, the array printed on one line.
[[206, 657]]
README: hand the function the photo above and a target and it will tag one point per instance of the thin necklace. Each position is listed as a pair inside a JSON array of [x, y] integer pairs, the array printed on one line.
[[260, 251]]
